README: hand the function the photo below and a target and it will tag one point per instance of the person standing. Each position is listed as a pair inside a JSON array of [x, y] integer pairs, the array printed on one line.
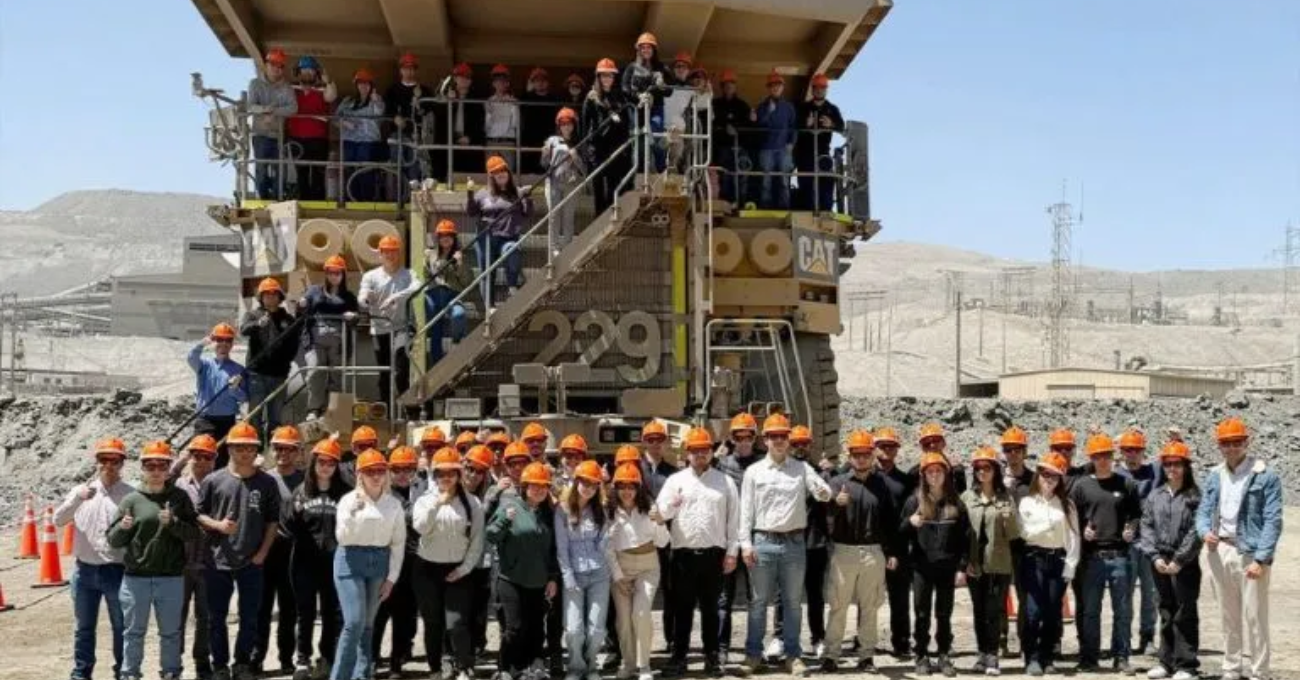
[[636, 532], [862, 543], [1146, 476], [152, 526], [581, 542], [1017, 477], [383, 294], [994, 525], [502, 212], [447, 275], [932, 439], [703, 510], [816, 556], [1240, 520], [478, 482], [311, 521], [330, 308], [98, 573], [189, 471], [402, 607], [273, 340], [271, 99], [740, 451], [449, 522], [1170, 542], [371, 534], [1110, 514], [277, 588], [564, 168], [655, 471], [817, 118], [538, 106], [776, 120], [309, 129], [773, 517], [898, 486], [360, 119], [1050, 528], [219, 388], [607, 119]]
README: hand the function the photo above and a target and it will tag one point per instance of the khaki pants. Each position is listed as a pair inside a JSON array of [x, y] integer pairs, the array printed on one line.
[[856, 572], [633, 598], [1243, 605]]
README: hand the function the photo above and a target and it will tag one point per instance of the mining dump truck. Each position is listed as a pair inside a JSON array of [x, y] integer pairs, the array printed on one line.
[[689, 298]]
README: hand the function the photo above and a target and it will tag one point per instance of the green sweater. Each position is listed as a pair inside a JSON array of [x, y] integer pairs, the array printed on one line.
[[526, 544], [151, 548]]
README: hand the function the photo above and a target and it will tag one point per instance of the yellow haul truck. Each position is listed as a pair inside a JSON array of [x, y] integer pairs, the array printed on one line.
[[687, 299]]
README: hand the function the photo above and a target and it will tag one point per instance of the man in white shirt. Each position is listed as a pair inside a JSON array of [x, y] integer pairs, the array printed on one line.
[[384, 293], [773, 516], [91, 507], [702, 505]]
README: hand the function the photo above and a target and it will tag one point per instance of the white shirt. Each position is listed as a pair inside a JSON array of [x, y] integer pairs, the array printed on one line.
[[444, 538], [502, 117], [1043, 524], [91, 519], [1232, 487], [364, 522], [379, 287], [774, 497], [704, 508], [632, 530]]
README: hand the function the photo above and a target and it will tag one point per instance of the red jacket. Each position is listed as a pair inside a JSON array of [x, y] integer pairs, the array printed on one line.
[[311, 102]]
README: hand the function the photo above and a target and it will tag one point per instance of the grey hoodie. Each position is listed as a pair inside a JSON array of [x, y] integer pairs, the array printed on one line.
[[270, 100]]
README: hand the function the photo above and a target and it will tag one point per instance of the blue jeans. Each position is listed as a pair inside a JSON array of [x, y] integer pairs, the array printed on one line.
[[586, 608], [89, 583], [733, 159], [165, 595], [1144, 577], [436, 298], [260, 386], [221, 587], [777, 572], [658, 145], [1100, 573], [359, 571], [266, 172], [363, 184], [776, 164], [489, 249], [1040, 580]]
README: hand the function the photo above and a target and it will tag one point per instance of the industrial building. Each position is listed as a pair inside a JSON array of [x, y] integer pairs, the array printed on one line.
[[182, 305], [1096, 383]]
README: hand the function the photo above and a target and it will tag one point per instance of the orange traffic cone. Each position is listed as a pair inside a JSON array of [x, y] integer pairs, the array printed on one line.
[[65, 546], [1011, 605], [51, 571], [4, 606], [27, 548], [1067, 613]]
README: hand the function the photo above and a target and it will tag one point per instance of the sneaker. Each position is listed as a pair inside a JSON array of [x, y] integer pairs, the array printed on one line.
[[1033, 669], [463, 675], [923, 665], [992, 668], [593, 675], [980, 664], [797, 668], [1145, 645], [1123, 667], [751, 665], [712, 667], [775, 649], [302, 671], [675, 668], [613, 661], [1087, 667], [242, 672], [1184, 675], [1158, 673], [828, 665], [646, 674], [819, 650], [322, 669], [945, 665], [1050, 669], [866, 665], [625, 673], [221, 674]]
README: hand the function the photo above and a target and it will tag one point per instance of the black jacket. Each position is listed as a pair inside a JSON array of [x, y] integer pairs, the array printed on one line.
[[1169, 525], [733, 112], [806, 142], [537, 118], [869, 516], [271, 347], [311, 519], [606, 135], [937, 542]]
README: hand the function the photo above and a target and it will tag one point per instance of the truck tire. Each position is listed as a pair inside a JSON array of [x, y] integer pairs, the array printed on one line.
[[818, 362]]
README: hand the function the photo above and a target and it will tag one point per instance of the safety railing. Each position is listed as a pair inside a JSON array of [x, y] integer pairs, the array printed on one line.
[[789, 386], [827, 175]]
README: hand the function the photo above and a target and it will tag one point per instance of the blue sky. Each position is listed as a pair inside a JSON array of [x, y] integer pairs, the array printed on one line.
[[1181, 119]]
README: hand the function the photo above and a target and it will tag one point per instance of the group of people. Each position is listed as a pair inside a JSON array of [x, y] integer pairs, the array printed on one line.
[[436, 131], [571, 554]]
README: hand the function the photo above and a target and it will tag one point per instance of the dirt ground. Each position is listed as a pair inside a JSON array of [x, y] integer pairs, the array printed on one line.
[[36, 636]]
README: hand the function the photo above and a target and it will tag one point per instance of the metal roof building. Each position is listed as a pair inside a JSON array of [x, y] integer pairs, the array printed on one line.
[[1097, 383]]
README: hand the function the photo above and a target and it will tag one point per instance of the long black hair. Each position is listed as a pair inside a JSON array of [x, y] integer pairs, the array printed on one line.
[[509, 191], [311, 488]]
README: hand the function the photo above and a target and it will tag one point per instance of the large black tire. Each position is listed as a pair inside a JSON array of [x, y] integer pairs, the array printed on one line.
[[818, 362]]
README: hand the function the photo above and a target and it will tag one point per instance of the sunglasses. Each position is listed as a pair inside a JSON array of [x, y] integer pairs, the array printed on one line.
[[403, 470], [655, 440], [157, 467], [375, 472]]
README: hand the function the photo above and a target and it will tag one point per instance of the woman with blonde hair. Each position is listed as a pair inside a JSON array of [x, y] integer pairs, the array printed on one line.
[[582, 540]]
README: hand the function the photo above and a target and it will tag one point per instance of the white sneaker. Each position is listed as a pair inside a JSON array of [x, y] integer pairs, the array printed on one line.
[[820, 650], [1158, 673], [646, 674], [626, 673], [775, 648], [1184, 675]]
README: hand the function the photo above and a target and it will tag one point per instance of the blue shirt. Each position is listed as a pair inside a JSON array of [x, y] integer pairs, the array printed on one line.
[[581, 548], [778, 124], [212, 376]]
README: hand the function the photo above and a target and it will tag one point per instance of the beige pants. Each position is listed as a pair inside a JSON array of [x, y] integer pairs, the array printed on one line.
[[633, 597], [1243, 605], [856, 572]]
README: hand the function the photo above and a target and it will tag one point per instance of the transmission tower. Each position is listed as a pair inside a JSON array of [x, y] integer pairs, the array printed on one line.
[[1063, 284]]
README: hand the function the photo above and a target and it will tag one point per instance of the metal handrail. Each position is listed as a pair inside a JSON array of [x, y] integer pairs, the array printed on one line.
[[355, 370], [773, 326]]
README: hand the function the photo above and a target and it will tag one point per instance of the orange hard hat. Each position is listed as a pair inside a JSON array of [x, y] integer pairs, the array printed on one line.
[[776, 423], [590, 471], [498, 439], [243, 433], [886, 435], [433, 436], [515, 450], [775, 78], [328, 448], [566, 115], [626, 454], [371, 459], [820, 80], [500, 71], [157, 450], [1061, 437], [1099, 444], [363, 75], [364, 435], [606, 66], [480, 457], [647, 38], [698, 439], [1175, 451], [861, 440], [930, 459], [742, 422], [269, 285], [1230, 430], [1014, 436], [628, 473], [462, 70], [699, 72], [728, 76], [800, 434], [286, 435], [446, 459], [445, 228], [408, 59], [497, 164], [406, 457], [683, 57], [533, 432], [276, 56], [204, 443], [1132, 438], [536, 473], [986, 454], [1054, 462], [222, 331], [466, 438], [574, 78], [111, 446], [539, 73], [336, 263], [574, 442], [390, 244], [654, 428], [930, 431]]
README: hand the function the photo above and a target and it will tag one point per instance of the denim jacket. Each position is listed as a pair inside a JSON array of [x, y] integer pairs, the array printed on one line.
[[1259, 523], [581, 548]]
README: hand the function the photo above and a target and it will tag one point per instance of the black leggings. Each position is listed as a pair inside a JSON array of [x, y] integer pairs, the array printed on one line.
[[932, 586], [313, 591], [480, 585], [445, 610], [522, 612]]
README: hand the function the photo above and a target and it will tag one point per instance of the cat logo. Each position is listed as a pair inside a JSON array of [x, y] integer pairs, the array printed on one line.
[[816, 256]]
